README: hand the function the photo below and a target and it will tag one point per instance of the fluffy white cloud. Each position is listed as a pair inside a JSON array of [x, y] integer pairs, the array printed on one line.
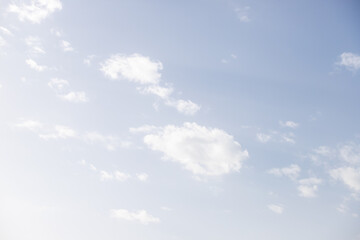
[[35, 45], [66, 46], [146, 73], [263, 137], [201, 150], [30, 125], [135, 68], [292, 171], [289, 124], [117, 175], [140, 216], [308, 187], [350, 60], [35, 66], [62, 89], [276, 208], [36, 10], [349, 176]]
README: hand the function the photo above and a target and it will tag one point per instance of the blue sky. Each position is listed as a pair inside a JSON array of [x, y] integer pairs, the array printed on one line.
[[179, 120]]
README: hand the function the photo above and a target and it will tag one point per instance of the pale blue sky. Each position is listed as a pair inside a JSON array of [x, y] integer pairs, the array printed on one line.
[[179, 120]]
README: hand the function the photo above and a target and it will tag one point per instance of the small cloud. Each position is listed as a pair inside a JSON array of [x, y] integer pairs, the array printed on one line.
[[289, 124], [35, 45], [60, 132], [88, 60], [32, 64], [143, 129], [142, 176], [308, 187], [291, 172], [276, 208], [55, 32], [2, 42], [349, 60], [36, 11], [146, 74], [5, 31], [243, 14], [140, 216], [166, 208], [263, 137], [62, 89], [66, 46]]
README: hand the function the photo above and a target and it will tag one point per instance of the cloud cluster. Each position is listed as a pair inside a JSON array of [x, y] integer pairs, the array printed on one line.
[[140, 216], [62, 90], [146, 74], [36, 10], [201, 150]]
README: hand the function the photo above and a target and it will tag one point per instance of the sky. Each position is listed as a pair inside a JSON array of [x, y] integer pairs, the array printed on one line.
[[171, 120]]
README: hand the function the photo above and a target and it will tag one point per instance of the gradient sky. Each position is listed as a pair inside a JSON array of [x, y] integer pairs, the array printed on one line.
[[171, 120]]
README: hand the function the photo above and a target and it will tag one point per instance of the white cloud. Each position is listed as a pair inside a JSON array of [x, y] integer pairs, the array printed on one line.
[[58, 84], [5, 31], [36, 10], [30, 125], [349, 176], [186, 107], [140, 216], [243, 14], [120, 176], [289, 124], [201, 150], [350, 60], [110, 142], [308, 187], [162, 92], [55, 32], [146, 73], [35, 45], [35, 66], [60, 132], [350, 153], [276, 208], [291, 172], [62, 89], [142, 176], [75, 97], [66, 46], [135, 68], [263, 137], [143, 129], [289, 138], [104, 175]]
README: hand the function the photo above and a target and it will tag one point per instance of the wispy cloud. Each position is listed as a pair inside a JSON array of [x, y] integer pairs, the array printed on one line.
[[291, 172], [35, 45], [140, 216], [243, 14], [278, 209], [308, 187], [62, 89], [66, 46], [146, 73]]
